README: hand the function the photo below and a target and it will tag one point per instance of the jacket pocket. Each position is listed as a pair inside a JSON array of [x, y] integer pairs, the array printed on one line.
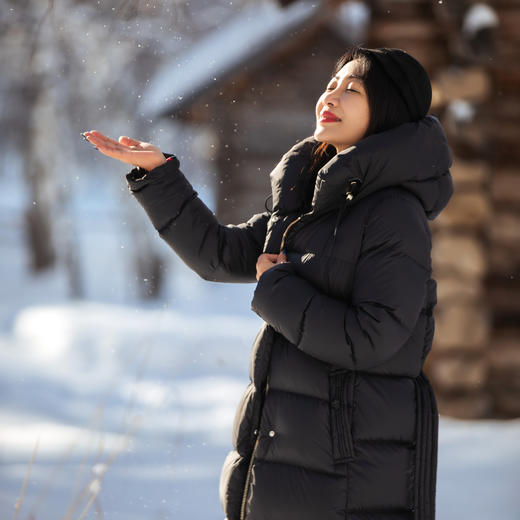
[[341, 398]]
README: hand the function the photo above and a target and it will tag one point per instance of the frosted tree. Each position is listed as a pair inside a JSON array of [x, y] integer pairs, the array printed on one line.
[[74, 65]]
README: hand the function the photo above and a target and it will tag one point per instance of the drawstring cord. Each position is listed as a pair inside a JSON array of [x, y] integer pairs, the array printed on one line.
[[265, 203], [353, 188]]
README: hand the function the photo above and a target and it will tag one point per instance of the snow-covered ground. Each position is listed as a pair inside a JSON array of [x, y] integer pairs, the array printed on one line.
[[131, 404]]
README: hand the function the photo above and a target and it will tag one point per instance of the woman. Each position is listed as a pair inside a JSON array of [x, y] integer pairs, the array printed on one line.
[[339, 420]]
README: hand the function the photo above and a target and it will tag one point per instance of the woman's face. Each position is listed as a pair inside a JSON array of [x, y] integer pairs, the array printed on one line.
[[346, 98]]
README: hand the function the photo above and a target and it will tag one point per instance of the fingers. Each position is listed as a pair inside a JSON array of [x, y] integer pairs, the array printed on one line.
[[112, 148], [279, 257], [266, 261], [140, 154], [128, 141], [105, 145], [100, 138]]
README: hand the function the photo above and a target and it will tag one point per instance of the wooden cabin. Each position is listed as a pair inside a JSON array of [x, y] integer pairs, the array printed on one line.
[[254, 84]]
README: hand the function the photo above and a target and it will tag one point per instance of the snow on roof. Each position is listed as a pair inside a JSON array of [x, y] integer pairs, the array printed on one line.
[[254, 29], [479, 16], [351, 20]]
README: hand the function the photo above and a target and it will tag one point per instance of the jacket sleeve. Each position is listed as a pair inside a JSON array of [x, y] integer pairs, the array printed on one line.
[[389, 288], [216, 252]]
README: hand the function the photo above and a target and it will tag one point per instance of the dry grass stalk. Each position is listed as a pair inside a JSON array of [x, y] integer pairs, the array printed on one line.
[[19, 501]]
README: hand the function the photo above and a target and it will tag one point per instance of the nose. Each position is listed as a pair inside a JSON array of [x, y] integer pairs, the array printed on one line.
[[330, 98]]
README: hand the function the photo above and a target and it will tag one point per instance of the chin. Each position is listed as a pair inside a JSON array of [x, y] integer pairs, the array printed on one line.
[[318, 132]]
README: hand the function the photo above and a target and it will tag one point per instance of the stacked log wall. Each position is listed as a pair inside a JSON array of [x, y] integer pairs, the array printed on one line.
[[474, 364]]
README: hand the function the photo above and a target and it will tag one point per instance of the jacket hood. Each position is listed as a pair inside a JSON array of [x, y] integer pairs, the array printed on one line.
[[415, 156]]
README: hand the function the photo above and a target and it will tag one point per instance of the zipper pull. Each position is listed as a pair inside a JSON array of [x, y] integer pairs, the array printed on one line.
[[353, 188], [354, 185]]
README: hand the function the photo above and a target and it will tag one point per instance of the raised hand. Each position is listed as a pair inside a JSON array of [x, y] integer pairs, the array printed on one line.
[[127, 150]]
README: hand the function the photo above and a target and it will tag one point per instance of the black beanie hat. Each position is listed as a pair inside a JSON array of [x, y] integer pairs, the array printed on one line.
[[408, 76]]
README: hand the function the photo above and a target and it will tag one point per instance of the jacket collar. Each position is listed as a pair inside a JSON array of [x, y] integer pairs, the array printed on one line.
[[415, 156]]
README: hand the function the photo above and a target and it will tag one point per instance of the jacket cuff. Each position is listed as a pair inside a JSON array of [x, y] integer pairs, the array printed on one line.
[[281, 298], [163, 192], [138, 177]]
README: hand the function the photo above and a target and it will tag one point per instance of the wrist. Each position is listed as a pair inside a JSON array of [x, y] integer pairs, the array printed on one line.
[[156, 165]]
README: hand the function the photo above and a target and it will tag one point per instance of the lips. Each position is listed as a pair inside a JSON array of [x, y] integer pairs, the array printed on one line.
[[328, 116]]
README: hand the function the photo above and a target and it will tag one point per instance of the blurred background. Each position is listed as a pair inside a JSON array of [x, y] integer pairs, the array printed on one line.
[[120, 368]]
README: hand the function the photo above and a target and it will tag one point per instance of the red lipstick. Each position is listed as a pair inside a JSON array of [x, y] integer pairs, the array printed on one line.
[[328, 117]]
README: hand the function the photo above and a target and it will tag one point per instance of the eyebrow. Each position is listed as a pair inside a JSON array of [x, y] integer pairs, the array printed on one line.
[[355, 76]]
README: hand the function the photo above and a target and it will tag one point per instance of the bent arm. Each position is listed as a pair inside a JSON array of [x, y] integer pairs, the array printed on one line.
[[389, 289], [216, 252]]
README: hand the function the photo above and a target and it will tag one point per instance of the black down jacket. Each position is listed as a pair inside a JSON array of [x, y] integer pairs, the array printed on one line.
[[339, 420]]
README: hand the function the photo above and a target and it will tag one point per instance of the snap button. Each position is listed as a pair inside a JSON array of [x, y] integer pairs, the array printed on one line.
[[272, 433], [255, 432]]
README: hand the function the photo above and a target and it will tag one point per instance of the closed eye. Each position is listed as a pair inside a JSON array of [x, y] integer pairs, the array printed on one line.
[[349, 89]]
